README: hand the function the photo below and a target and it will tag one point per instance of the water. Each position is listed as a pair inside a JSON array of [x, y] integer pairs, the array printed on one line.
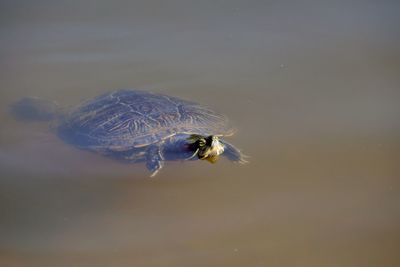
[[313, 89]]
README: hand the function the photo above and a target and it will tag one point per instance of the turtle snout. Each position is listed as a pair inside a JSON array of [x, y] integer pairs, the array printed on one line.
[[216, 147]]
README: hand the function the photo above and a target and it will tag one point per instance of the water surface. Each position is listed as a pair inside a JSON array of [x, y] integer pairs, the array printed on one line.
[[313, 89]]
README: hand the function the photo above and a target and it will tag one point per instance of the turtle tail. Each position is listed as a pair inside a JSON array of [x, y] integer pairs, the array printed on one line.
[[34, 109]]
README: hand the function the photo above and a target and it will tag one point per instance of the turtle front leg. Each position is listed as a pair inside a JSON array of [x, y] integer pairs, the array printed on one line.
[[154, 159], [233, 154]]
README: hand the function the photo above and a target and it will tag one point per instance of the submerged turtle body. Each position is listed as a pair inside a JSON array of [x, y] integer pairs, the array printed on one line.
[[127, 119], [138, 126]]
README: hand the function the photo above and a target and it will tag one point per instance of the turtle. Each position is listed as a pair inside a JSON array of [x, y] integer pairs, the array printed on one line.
[[138, 126]]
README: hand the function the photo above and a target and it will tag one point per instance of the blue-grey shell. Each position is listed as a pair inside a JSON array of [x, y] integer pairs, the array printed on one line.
[[127, 119]]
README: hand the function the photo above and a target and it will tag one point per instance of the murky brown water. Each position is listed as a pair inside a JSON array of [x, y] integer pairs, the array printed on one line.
[[312, 88]]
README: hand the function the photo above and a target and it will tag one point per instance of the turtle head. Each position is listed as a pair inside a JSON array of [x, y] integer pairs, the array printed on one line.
[[206, 147]]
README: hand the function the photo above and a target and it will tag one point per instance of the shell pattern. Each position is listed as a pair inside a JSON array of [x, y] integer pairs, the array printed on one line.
[[126, 119]]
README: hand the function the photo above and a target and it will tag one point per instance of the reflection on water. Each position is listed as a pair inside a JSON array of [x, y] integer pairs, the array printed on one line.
[[312, 88]]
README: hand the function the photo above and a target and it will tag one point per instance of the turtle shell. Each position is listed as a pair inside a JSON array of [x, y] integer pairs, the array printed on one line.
[[127, 119]]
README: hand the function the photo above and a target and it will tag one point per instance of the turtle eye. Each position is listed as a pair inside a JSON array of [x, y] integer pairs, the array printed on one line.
[[202, 142]]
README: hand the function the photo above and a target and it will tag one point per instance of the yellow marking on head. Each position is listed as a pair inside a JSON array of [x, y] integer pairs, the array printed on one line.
[[212, 159]]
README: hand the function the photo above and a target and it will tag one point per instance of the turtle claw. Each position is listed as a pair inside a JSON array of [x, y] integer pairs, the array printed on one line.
[[154, 160], [154, 173], [234, 154], [154, 167], [243, 159]]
